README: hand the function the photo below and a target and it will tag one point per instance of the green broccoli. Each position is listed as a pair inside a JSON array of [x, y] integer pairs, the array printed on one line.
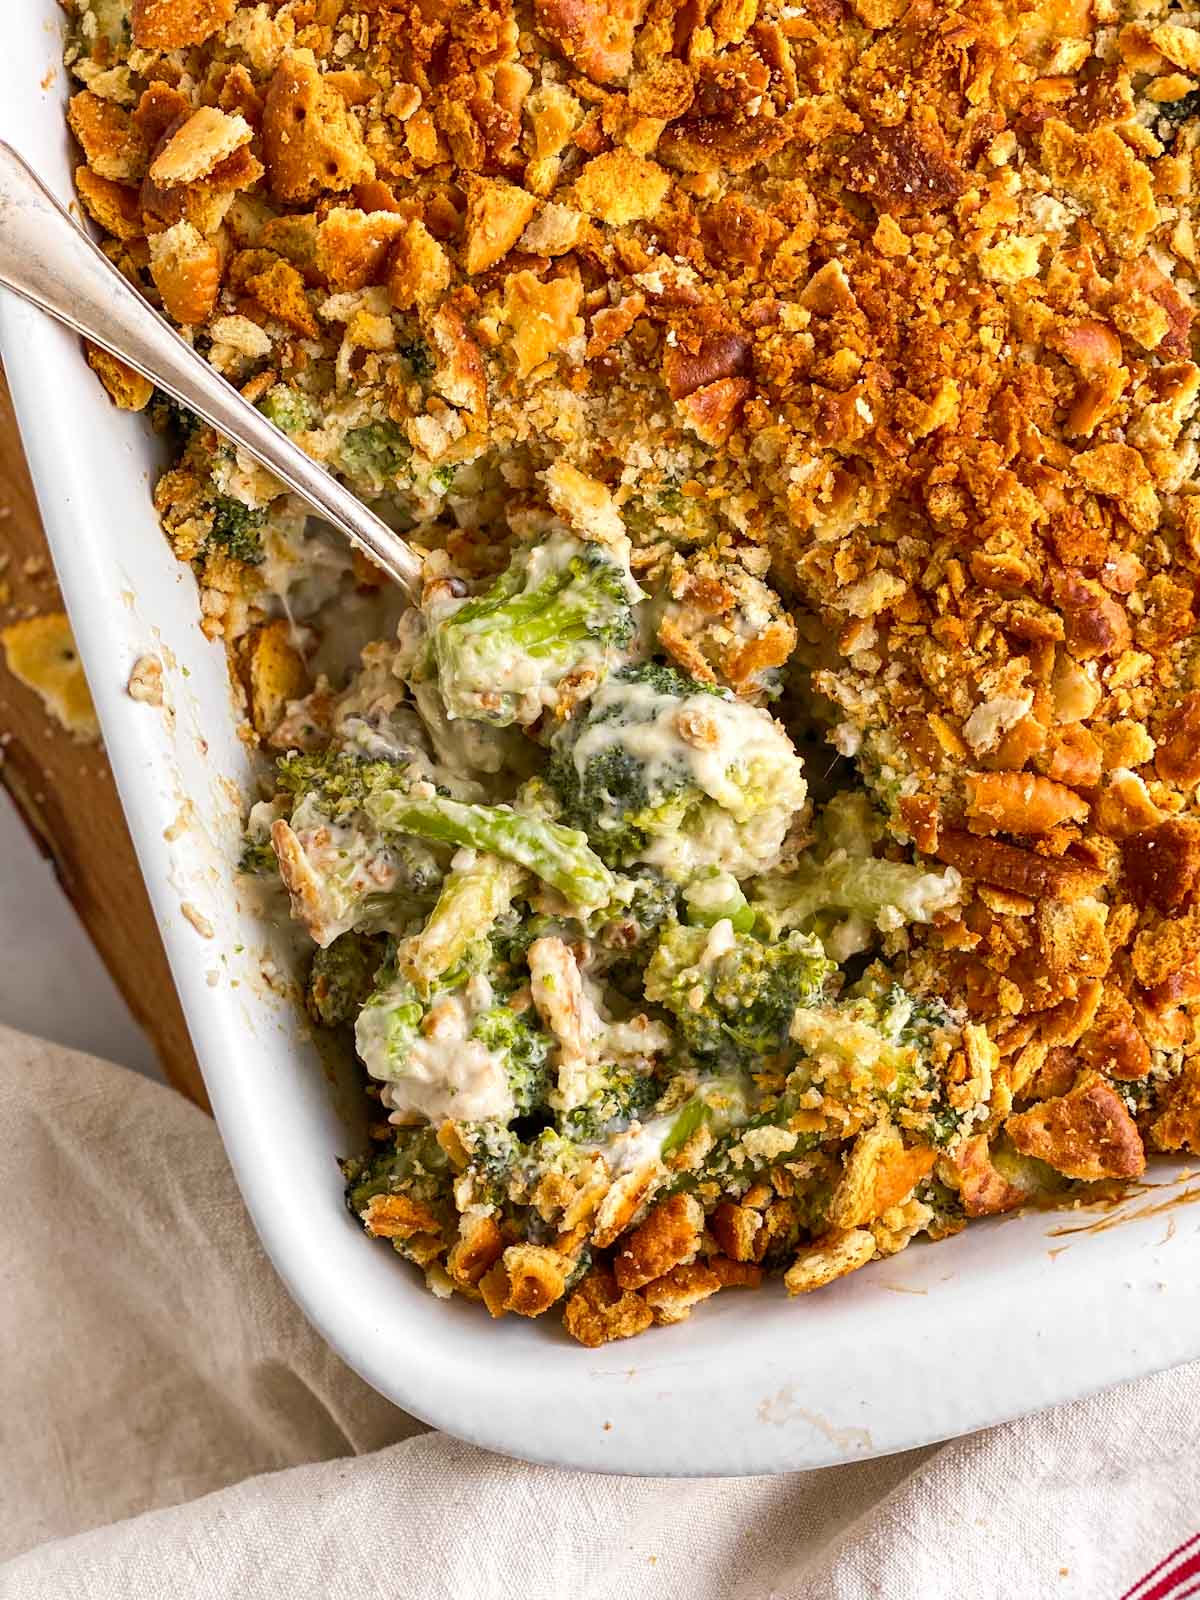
[[413, 1163], [419, 357], [373, 457], [714, 896], [844, 893], [289, 408], [524, 1049], [257, 858], [236, 530], [341, 977], [474, 895], [666, 770], [642, 901], [342, 873], [562, 608], [387, 806], [883, 1047], [457, 1049], [621, 1096], [732, 996], [338, 781], [172, 417], [558, 855], [496, 1161]]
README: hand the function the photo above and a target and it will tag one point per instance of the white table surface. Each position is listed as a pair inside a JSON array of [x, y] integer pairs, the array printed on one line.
[[52, 982]]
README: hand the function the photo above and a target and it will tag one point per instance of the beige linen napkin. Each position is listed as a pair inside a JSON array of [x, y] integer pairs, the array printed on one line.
[[170, 1427]]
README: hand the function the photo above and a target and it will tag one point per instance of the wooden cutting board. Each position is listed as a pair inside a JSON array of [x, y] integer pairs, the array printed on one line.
[[65, 792]]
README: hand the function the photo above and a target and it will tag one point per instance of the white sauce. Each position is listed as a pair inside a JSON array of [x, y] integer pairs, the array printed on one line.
[[486, 678], [734, 753], [446, 1073], [638, 1146]]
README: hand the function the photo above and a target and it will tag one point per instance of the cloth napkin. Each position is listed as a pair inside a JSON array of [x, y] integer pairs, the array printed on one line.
[[171, 1427]]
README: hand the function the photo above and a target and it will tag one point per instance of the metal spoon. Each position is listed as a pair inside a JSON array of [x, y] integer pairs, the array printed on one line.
[[49, 260]]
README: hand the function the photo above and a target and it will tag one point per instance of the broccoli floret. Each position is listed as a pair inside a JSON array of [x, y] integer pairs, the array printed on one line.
[[340, 781], [374, 456], [171, 417], [619, 931], [558, 855], [524, 1048], [882, 1047], [363, 821], [714, 896], [419, 358], [257, 858], [620, 1097], [341, 871], [414, 1164], [845, 894], [340, 978], [475, 894], [465, 747], [642, 901], [666, 770], [495, 1159], [561, 609], [732, 996], [454, 1048], [289, 408], [236, 530]]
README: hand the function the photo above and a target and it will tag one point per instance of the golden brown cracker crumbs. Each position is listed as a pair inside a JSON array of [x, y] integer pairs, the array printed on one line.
[[828, 1258], [599, 1311], [40, 652], [145, 682], [127, 388], [1086, 1133], [273, 673]]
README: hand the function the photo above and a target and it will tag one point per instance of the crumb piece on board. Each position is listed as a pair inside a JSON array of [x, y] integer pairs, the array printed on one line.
[[40, 652]]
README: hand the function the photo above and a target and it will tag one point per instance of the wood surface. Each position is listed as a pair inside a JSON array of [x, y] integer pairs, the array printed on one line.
[[65, 792]]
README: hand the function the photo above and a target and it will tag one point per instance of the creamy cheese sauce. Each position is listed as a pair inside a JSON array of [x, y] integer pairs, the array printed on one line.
[[446, 1073], [734, 753], [587, 1041], [714, 838], [349, 868], [485, 671]]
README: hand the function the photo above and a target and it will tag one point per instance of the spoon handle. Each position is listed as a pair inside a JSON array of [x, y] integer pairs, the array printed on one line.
[[49, 260]]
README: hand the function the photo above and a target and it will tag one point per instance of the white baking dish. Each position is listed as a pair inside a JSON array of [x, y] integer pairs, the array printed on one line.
[[1005, 1318]]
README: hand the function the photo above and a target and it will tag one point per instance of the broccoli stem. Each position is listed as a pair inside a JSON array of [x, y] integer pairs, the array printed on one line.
[[858, 883], [559, 856], [468, 905], [716, 896], [721, 1103], [539, 624]]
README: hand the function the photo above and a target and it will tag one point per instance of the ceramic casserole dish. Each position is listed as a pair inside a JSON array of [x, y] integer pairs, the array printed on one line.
[[1001, 1320]]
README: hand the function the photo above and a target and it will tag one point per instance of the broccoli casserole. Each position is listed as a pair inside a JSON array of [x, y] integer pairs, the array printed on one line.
[[773, 835]]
